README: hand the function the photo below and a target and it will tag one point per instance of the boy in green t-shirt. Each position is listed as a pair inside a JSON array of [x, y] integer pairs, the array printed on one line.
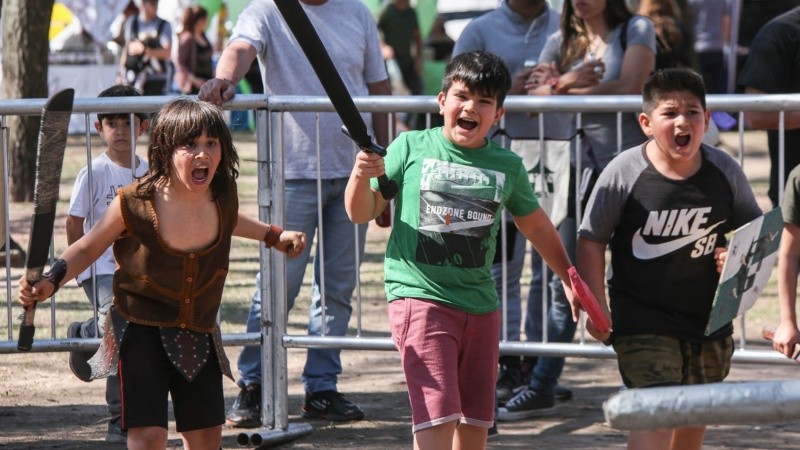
[[454, 185]]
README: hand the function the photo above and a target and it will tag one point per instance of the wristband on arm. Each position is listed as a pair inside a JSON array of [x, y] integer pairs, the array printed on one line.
[[273, 235], [56, 274], [553, 83]]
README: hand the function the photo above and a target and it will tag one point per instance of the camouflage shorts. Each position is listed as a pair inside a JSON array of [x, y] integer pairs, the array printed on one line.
[[650, 360]]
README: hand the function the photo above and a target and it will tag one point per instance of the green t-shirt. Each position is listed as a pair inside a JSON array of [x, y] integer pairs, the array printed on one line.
[[791, 198], [398, 28], [447, 214]]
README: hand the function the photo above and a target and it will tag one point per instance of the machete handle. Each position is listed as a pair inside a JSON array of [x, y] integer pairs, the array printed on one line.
[[26, 327], [387, 187], [768, 333], [25, 339]]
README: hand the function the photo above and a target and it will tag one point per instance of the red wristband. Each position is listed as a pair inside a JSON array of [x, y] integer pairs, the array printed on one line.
[[553, 83], [273, 235]]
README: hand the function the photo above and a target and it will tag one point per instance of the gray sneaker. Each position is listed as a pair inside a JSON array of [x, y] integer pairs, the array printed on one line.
[[79, 359], [526, 404], [246, 410], [330, 405], [115, 433]]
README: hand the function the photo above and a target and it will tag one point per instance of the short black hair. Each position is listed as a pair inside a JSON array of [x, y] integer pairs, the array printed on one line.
[[663, 82], [120, 90], [481, 72]]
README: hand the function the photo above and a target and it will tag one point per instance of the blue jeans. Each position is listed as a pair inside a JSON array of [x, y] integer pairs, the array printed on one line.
[[89, 328], [560, 327], [322, 365], [514, 267], [533, 314]]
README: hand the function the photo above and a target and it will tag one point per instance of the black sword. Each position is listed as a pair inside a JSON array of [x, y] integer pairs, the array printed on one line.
[[49, 159], [354, 125]]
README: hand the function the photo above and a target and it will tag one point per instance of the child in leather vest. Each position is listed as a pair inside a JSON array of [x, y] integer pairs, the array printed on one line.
[[171, 233]]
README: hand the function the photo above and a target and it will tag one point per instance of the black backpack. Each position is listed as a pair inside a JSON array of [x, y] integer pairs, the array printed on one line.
[[138, 62]]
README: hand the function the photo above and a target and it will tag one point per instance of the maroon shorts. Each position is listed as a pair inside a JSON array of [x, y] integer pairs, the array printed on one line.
[[449, 360]]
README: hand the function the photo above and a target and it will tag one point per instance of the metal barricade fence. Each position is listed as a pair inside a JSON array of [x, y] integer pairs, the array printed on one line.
[[269, 114]]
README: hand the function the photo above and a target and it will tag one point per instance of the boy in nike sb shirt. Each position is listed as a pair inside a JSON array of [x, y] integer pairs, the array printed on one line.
[[663, 209], [443, 310]]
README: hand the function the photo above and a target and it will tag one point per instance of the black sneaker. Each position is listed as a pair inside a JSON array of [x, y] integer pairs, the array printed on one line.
[[115, 432], [79, 359], [246, 410], [562, 393], [330, 405], [526, 404], [492, 433], [509, 380]]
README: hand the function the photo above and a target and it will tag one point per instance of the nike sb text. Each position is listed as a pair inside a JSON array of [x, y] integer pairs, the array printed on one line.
[[675, 222], [685, 225]]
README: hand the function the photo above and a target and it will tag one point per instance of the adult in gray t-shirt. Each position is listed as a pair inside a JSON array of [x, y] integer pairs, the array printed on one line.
[[349, 34], [518, 40], [584, 76], [600, 130]]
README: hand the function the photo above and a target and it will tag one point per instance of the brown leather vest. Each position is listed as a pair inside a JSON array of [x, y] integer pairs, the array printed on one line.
[[158, 286]]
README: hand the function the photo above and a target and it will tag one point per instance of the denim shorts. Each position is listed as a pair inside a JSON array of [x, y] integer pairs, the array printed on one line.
[[449, 360], [651, 360]]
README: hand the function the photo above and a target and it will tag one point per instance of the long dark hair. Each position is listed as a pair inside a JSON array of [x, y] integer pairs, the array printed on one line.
[[191, 15], [576, 37], [180, 122], [666, 16]]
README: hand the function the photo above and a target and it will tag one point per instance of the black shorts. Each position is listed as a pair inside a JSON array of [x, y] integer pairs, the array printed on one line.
[[146, 377]]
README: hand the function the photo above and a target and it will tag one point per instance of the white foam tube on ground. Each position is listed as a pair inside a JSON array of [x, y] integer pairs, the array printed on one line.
[[706, 404]]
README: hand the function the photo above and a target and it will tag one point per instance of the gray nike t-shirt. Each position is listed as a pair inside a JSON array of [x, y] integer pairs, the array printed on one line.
[[662, 234]]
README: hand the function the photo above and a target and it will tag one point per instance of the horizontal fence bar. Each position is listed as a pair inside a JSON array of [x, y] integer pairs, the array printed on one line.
[[595, 351], [522, 348], [545, 104], [68, 345], [410, 103]]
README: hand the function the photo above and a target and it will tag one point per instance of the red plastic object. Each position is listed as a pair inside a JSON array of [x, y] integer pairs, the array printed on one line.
[[588, 301], [384, 219]]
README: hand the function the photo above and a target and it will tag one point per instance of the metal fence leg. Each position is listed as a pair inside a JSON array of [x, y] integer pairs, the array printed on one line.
[[275, 427]]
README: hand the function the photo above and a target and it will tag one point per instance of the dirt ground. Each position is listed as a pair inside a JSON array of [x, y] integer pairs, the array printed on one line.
[[43, 406]]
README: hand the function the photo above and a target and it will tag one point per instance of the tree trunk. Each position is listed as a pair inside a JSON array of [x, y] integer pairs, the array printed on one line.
[[25, 26]]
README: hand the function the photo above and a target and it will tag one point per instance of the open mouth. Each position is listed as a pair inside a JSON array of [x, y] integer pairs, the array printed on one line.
[[200, 174], [682, 140], [467, 124]]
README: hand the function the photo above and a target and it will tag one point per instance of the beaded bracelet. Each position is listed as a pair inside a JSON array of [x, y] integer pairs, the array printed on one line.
[[273, 235]]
